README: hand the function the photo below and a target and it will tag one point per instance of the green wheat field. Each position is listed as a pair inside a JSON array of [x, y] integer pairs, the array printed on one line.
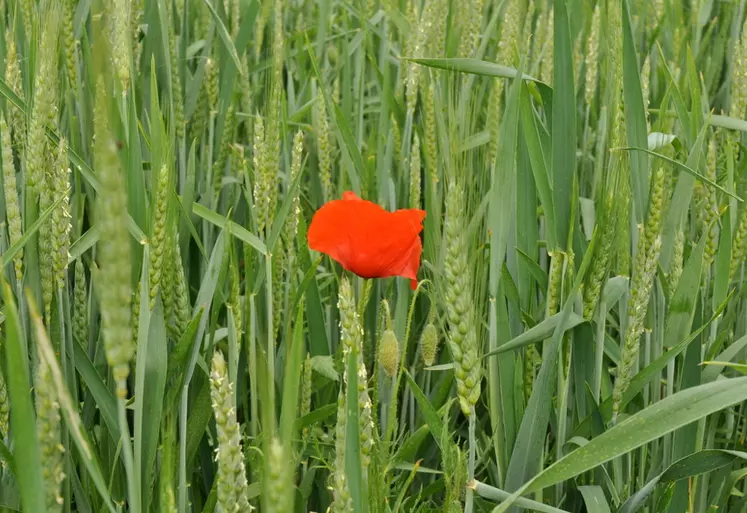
[[576, 342]]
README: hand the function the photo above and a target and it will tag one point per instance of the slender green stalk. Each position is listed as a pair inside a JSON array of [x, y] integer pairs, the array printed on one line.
[[133, 490]]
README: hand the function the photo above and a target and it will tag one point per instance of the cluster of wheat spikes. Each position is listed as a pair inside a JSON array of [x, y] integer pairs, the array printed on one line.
[[578, 338]]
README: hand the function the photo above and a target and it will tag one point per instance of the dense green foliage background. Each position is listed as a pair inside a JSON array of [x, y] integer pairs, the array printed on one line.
[[576, 342]]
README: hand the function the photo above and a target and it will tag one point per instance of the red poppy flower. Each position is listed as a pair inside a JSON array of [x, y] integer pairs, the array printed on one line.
[[368, 240]]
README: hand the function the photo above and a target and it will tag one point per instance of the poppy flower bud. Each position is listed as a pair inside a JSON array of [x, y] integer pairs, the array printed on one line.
[[429, 344], [389, 353]]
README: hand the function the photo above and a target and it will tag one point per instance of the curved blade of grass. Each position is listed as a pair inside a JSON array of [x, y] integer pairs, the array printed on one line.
[[83, 244], [315, 416], [648, 373], [496, 494], [68, 409], [225, 37], [538, 159], [697, 463], [503, 188], [680, 203], [22, 422], [728, 122], [472, 66], [685, 168], [13, 250], [540, 332], [669, 414], [714, 368], [431, 416], [102, 396], [237, 230]]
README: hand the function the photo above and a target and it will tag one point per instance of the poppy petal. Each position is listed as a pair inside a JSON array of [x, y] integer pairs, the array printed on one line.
[[330, 232], [399, 244], [367, 239], [350, 196]]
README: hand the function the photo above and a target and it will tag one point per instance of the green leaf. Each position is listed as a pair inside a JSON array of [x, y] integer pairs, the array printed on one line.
[[527, 452], [150, 385], [665, 416], [682, 305], [432, 419], [645, 375], [530, 125], [353, 468], [694, 464], [200, 413], [685, 168], [225, 37], [236, 230], [318, 344], [102, 396], [728, 122], [714, 368], [13, 250], [473, 66], [204, 300], [503, 188], [594, 498], [317, 415], [539, 332], [563, 126], [23, 420], [635, 116], [325, 365], [69, 409], [179, 357], [496, 494], [292, 379]]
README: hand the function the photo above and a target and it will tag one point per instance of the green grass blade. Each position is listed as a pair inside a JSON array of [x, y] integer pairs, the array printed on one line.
[[150, 376], [496, 494], [292, 379], [563, 125], [236, 230], [538, 159], [649, 424], [700, 462], [595, 500], [69, 409], [635, 117], [539, 332], [431, 416], [102, 396], [23, 423], [472, 66], [683, 167], [225, 37]]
